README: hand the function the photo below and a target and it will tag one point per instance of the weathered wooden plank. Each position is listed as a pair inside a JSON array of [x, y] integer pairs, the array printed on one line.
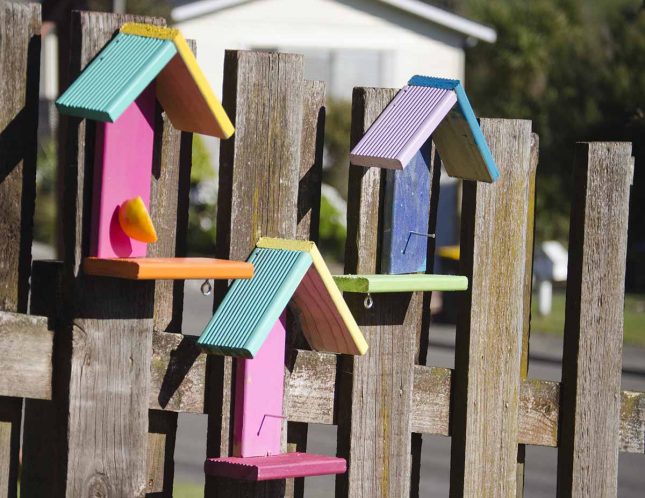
[[10, 413], [538, 408], [375, 433], [104, 349], [177, 374], [311, 159], [309, 193], [632, 422], [431, 400], [258, 195], [160, 465], [489, 333], [26, 352], [19, 67], [310, 388], [539, 412], [311, 397], [364, 199], [39, 444], [593, 336], [170, 190], [528, 293]]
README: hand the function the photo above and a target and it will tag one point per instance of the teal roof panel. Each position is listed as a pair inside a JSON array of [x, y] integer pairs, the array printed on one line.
[[116, 77], [251, 307]]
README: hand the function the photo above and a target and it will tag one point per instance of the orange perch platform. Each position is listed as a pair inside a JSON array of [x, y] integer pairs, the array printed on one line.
[[167, 268]]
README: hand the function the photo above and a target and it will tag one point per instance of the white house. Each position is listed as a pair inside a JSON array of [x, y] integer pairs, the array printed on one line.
[[346, 43]]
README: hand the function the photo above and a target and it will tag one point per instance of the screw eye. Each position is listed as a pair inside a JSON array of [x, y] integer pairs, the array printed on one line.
[[206, 288]]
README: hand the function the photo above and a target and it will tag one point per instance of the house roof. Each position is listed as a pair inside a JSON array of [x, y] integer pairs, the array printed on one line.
[[139, 54], [286, 272], [426, 106], [196, 8]]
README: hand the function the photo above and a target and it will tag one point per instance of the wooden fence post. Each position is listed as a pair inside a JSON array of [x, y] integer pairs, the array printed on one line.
[[374, 395], [19, 67], [311, 159], [258, 195], [593, 338], [528, 291], [488, 350], [103, 348], [169, 195]]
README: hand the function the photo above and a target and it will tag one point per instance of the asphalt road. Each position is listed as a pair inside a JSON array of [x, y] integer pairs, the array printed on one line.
[[541, 463]]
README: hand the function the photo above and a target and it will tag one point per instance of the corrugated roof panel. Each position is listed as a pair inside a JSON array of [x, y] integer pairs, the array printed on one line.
[[459, 139], [326, 321], [251, 307], [403, 127], [116, 77], [182, 87]]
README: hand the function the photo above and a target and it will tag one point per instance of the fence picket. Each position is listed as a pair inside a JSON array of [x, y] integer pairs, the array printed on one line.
[[258, 195], [375, 396], [494, 227], [593, 336], [20, 68], [528, 292]]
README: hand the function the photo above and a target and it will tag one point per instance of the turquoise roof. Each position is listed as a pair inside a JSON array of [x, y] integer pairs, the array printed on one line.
[[116, 77], [465, 113], [251, 307]]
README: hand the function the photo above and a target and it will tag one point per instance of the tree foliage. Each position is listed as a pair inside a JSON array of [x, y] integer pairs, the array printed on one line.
[[574, 67]]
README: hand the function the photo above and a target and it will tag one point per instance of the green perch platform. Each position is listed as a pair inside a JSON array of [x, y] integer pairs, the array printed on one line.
[[373, 284]]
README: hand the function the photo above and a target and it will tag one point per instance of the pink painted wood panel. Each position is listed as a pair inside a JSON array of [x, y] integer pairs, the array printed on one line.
[[259, 387], [285, 466], [122, 170]]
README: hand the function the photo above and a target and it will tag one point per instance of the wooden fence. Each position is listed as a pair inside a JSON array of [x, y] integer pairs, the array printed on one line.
[[105, 369]]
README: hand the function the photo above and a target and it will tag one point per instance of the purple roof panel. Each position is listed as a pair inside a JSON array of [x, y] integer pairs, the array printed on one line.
[[403, 127]]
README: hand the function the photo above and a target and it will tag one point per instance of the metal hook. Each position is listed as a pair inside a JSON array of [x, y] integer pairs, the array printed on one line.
[[206, 288], [428, 235], [368, 302]]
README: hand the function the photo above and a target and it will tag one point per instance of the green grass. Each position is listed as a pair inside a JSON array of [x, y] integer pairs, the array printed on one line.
[[188, 490], [554, 323]]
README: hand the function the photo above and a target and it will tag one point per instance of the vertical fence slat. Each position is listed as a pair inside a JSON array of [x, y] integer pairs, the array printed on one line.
[[375, 391], [528, 289], [103, 352], [39, 446], [258, 195], [19, 67], [169, 210], [592, 357], [489, 333], [311, 154]]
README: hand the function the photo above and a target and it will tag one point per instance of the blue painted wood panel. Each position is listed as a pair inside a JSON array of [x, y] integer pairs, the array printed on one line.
[[406, 215]]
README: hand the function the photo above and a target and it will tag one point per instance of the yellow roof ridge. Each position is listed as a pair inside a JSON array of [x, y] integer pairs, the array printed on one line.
[[150, 31], [328, 280], [176, 109], [286, 244]]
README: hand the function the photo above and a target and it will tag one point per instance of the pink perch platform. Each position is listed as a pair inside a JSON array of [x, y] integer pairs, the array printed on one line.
[[285, 466]]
